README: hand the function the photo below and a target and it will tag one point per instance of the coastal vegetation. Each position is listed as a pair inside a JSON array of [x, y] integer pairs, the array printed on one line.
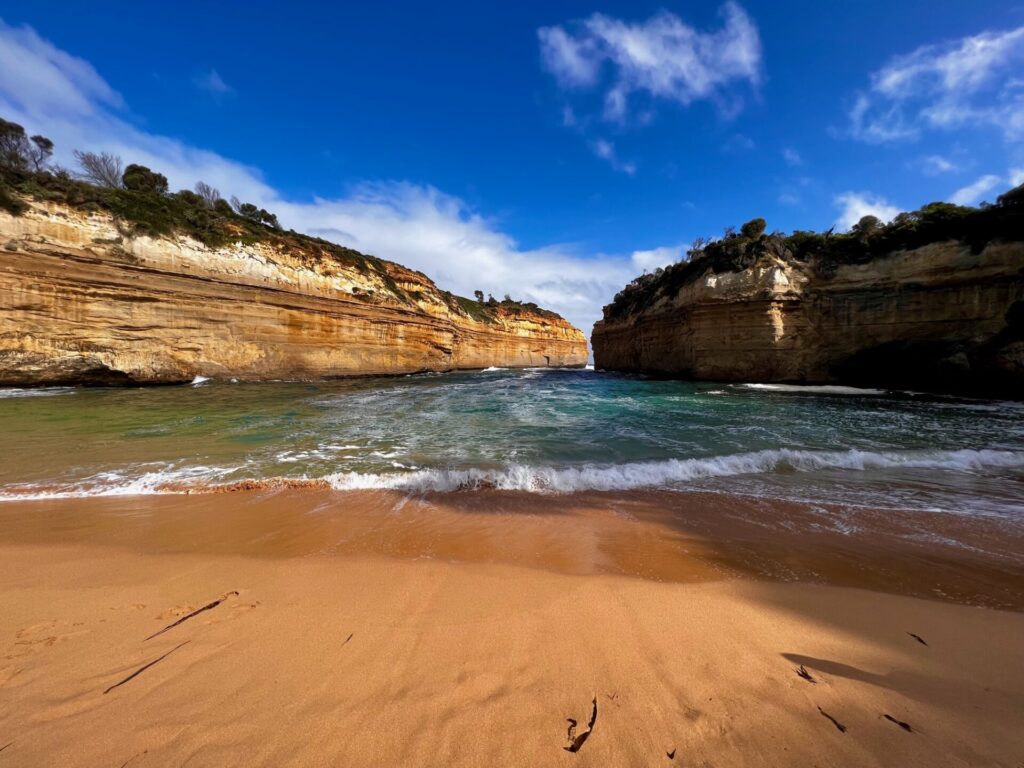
[[823, 252], [141, 200]]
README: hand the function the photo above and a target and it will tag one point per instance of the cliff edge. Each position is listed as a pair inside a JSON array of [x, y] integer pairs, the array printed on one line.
[[933, 301], [88, 298]]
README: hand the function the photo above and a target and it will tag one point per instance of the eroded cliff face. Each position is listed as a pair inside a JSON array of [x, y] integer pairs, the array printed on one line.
[[937, 318], [82, 302]]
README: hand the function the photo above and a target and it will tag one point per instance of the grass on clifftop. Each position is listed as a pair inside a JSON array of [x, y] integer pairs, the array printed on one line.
[[488, 311], [869, 239]]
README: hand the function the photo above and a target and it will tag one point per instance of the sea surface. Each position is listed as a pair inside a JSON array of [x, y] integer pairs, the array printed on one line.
[[545, 431]]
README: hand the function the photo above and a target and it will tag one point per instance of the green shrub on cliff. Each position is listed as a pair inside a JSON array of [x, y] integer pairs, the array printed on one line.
[[138, 198], [140, 179], [824, 252]]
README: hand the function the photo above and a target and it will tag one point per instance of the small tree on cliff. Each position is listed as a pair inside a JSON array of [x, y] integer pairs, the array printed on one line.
[[102, 169], [19, 152], [254, 213], [139, 178], [208, 194], [754, 228], [1014, 198], [866, 227], [40, 150], [479, 296]]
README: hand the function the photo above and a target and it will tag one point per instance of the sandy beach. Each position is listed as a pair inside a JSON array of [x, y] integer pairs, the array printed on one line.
[[296, 627]]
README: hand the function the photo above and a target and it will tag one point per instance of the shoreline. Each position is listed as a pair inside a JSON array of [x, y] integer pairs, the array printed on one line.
[[664, 536]]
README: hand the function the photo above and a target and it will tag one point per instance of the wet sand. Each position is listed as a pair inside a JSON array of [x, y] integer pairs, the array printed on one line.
[[311, 627]]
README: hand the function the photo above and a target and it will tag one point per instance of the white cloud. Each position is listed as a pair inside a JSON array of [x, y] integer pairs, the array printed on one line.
[[650, 260], [789, 198], [606, 151], [856, 205], [791, 156], [963, 82], [662, 57], [574, 63], [1016, 177], [54, 93], [739, 143], [46, 78], [933, 165], [212, 81], [973, 193]]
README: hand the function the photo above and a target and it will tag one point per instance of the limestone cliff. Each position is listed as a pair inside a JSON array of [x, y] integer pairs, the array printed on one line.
[[85, 301], [945, 316]]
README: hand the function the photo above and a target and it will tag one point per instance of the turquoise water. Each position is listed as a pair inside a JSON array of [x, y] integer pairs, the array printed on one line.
[[551, 431]]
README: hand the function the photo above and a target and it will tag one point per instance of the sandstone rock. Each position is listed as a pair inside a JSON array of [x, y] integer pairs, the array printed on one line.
[[82, 302], [940, 318]]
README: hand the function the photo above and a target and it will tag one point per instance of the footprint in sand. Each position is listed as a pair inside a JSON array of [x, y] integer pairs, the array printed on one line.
[[130, 607], [38, 637]]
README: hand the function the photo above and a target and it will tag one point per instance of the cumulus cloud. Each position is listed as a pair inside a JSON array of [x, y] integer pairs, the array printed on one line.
[[973, 193], [663, 58], [854, 206], [1016, 177], [650, 260], [52, 92], [963, 82]]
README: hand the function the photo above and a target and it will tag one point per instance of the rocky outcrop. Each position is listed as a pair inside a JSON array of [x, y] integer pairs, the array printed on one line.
[[83, 301], [943, 317]]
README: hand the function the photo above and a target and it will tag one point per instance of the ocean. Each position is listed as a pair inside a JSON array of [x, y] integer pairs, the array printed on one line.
[[543, 431]]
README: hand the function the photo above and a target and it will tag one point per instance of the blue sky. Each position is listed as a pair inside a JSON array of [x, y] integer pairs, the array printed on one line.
[[551, 150]]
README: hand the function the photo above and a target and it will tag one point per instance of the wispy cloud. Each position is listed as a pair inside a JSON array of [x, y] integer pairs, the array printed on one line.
[[792, 157], [739, 143], [606, 151], [212, 82], [662, 58], [52, 92], [933, 165], [854, 206], [963, 82], [973, 193]]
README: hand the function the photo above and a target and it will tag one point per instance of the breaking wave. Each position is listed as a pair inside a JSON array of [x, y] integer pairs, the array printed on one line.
[[668, 474], [818, 389], [38, 392], [672, 473]]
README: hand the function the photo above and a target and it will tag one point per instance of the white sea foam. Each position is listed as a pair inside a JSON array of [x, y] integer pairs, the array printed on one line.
[[672, 473], [40, 392], [199, 380], [491, 368], [163, 479], [820, 389]]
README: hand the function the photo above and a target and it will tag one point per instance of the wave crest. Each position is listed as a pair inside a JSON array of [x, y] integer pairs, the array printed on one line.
[[670, 474]]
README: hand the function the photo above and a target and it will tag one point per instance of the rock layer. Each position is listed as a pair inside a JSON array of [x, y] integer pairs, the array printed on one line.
[[84, 302], [939, 318]]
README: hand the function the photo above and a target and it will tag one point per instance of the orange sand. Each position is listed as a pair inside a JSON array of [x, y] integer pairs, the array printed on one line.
[[336, 651]]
